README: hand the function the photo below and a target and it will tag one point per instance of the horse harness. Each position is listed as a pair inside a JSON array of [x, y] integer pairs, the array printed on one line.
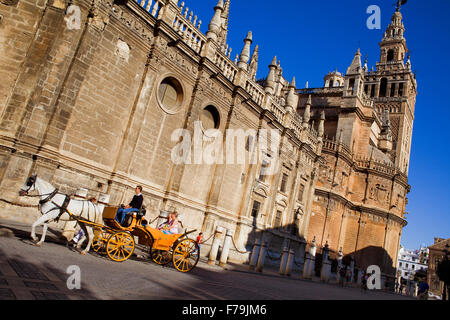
[[62, 209]]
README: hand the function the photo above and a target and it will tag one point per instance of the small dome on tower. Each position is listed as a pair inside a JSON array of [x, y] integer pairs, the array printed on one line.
[[334, 79]]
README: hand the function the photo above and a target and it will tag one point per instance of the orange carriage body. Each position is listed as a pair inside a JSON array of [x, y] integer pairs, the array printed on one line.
[[161, 241], [118, 242]]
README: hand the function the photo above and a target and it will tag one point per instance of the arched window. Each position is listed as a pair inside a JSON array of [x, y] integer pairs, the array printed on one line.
[[351, 85], [400, 90], [392, 90], [383, 87], [390, 55], [210, 118]]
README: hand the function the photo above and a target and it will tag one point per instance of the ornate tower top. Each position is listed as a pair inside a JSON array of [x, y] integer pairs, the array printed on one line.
[[400, 3], [356, 66], [393, 46], [244, 57]]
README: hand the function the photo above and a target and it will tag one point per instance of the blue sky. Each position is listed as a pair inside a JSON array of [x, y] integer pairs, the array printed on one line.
[[312, 38]]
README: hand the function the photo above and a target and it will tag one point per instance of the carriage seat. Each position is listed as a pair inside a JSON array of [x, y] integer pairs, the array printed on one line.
[[139, 215]]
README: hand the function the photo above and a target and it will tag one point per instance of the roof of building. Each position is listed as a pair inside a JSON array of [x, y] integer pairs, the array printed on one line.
[[440, 245]]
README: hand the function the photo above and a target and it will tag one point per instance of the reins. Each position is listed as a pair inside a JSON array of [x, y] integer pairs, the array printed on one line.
[[50, 195]]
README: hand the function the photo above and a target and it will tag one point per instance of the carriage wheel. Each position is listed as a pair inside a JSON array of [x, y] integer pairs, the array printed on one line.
[[186, 255], [99, 243], [120, 246], [161, 257]]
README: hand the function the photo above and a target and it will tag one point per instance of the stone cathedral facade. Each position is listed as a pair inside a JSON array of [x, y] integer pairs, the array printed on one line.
[[91, 93]]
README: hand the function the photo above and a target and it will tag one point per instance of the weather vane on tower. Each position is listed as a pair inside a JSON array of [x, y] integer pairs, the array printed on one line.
[[401, 3]]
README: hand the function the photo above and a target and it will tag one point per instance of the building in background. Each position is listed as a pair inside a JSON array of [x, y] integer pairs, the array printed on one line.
[[411, 261], [438, 250], [361, 192]]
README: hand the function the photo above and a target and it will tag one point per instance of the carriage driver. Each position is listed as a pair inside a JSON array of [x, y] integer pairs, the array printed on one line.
[[134, 206]]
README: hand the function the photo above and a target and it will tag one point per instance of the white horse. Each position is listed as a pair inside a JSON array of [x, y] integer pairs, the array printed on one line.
[[55, 205]]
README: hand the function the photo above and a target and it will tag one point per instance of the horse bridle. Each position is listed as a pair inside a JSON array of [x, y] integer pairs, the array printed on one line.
[[30, 183], [63, 208]]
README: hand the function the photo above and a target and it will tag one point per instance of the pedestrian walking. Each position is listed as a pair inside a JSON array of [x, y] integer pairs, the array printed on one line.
[[77, 238], [364, 279], [199, 239], [422, 293], [348, 275]]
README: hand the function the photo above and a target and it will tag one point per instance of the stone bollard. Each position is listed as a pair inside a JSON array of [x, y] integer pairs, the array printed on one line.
[[326, 269], [338, 274], [262, 257], [255, 254], [284, 257], [215, 246], [301, 255], [326, 264], [308, 266], [339, 261], [290, 261], [226, 248], [352, 269], [310, 261]]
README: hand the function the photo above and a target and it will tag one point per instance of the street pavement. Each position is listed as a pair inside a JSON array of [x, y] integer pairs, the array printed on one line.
[[40, 273]]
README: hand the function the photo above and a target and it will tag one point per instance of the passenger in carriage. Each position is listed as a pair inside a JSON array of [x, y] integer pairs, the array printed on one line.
[[171, 225], [133, 206]]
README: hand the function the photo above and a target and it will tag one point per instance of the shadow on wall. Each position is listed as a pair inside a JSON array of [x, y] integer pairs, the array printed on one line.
[[278, 238]]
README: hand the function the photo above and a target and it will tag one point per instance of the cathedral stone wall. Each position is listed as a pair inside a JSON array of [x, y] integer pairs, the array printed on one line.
[[82, 108], [92, 93]]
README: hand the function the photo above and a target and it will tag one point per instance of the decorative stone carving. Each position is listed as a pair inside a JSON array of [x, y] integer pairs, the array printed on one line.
[[9, 2], [123, 50], [96, 18], [174, 55], [379, 193], [129, 20]]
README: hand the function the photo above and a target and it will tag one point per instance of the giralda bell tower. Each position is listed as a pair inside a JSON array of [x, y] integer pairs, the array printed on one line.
[[393, 87]]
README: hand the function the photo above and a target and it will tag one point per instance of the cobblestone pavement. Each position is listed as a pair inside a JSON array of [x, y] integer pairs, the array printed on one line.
[[30, 272]]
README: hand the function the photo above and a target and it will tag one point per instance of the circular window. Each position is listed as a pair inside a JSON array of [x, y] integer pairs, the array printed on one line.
[[170, 95], [210, 118]]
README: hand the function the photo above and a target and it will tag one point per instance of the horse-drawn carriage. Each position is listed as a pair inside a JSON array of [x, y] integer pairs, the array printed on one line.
[[109, 237], [118, 243]]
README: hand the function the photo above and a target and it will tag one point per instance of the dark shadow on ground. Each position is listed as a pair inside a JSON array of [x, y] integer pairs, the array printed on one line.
[[34, 278]]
